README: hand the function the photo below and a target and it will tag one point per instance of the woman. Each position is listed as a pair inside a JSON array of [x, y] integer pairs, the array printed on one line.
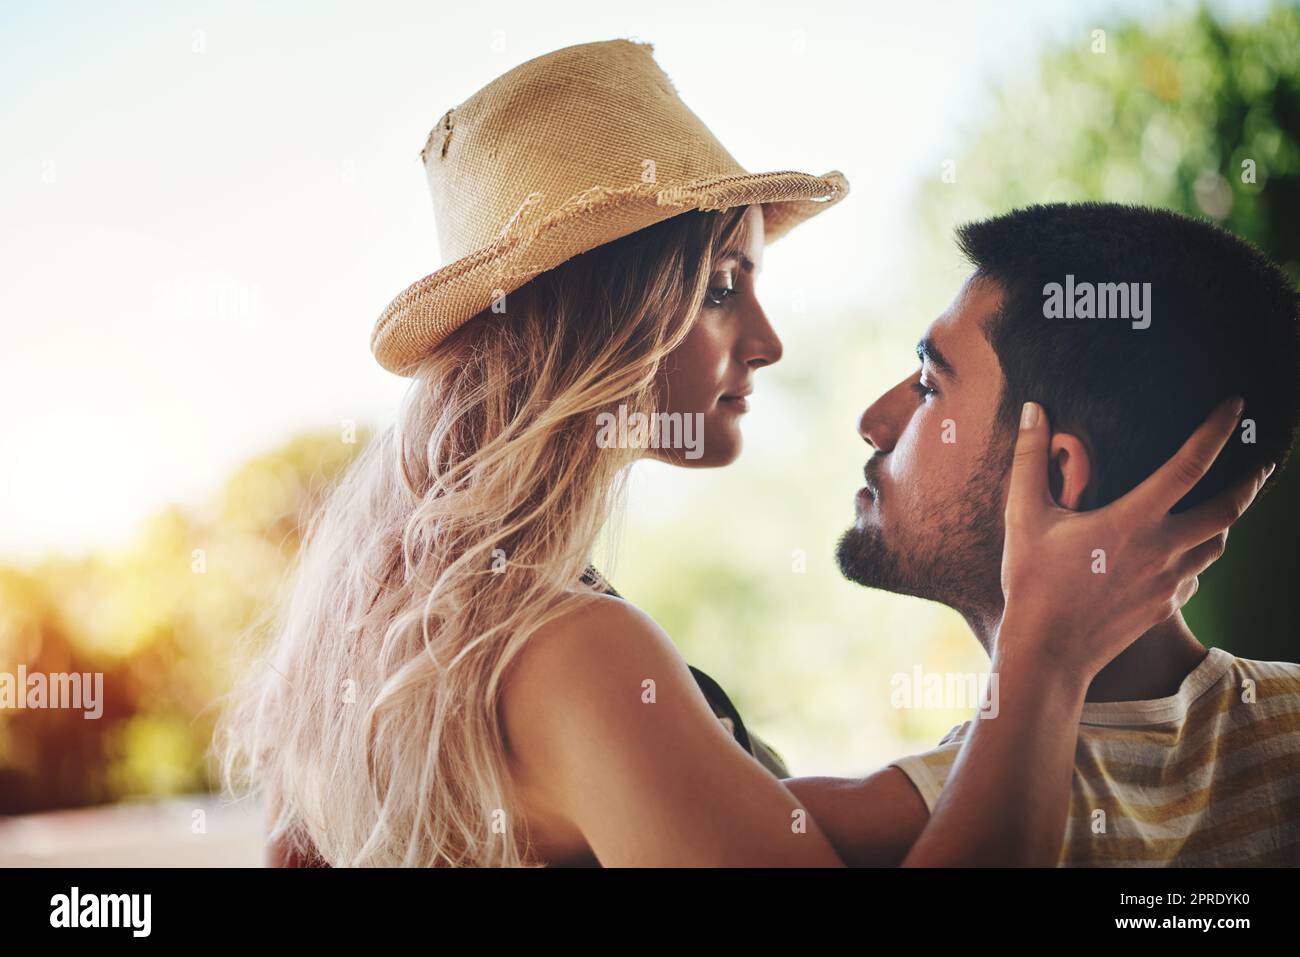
[[452, 683]]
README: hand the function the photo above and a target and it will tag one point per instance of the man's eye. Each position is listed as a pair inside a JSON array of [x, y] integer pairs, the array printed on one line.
[[923, 390], [715, 295]]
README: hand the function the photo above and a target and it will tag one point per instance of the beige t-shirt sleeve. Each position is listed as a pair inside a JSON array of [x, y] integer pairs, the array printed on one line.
[[929, 770]]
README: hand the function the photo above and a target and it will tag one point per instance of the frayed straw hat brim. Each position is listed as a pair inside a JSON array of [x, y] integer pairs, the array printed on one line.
[[429, 310]]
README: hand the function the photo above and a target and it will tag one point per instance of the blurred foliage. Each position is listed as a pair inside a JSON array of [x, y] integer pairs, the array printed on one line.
[[159, 621], [1170, 115], [737, 565], [1174, 115]]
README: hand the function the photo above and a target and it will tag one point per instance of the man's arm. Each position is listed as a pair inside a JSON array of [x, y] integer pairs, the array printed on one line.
[[871, 821]]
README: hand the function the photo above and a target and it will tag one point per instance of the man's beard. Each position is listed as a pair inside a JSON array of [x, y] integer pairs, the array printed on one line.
[[955, 553]]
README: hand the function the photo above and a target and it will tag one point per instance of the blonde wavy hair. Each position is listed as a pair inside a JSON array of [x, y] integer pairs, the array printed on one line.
[[368, 717]]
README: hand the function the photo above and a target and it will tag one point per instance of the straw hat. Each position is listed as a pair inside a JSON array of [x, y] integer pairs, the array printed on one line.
[[564, 153]]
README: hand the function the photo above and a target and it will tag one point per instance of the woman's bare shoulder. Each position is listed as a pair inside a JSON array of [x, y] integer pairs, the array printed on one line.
[[284, 852], [597, 615], [595, 661], [591, 635], [621, 756]]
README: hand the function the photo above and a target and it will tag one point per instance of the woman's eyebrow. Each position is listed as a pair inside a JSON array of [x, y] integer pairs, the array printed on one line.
[[746, 263], [927, 351]]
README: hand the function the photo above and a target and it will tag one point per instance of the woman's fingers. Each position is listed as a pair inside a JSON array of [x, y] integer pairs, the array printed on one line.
[[1162, 489], [1210, 518], [1202, 556], [1185, 592], [1029, 488]]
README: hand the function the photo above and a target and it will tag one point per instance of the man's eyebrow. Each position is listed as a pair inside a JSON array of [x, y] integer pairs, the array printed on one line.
[[927, 351]]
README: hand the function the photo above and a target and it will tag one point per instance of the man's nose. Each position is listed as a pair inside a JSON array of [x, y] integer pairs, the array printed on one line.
[[880, 423]]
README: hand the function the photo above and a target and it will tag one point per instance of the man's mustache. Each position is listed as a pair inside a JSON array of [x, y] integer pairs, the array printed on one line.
[[871, 475]]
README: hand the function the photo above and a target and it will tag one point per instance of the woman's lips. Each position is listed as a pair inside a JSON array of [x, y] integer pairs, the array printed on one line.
[[737, 403]]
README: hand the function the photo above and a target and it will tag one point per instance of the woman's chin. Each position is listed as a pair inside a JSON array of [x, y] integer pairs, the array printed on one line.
[[714, 452]]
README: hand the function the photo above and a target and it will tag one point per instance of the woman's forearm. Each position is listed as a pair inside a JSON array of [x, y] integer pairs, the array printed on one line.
[[1006, 799]]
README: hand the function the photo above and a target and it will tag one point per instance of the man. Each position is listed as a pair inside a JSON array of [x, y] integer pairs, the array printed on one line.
[[1128, 325]]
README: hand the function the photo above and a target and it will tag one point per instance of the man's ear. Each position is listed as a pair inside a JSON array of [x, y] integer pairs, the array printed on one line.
[[1069, 470]]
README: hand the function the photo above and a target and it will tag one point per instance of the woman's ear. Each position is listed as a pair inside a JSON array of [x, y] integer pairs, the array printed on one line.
[[1069, 471]]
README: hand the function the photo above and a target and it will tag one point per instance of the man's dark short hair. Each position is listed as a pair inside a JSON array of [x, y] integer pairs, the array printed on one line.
[[1224, 320]]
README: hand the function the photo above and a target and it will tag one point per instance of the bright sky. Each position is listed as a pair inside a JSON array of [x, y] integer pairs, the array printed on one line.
[[204, 207]]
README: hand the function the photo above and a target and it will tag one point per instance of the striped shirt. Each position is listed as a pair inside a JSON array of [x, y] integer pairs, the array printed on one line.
[[1208, 777]]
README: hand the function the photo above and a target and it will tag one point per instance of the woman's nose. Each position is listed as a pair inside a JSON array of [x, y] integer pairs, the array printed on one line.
[[762, 346]]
